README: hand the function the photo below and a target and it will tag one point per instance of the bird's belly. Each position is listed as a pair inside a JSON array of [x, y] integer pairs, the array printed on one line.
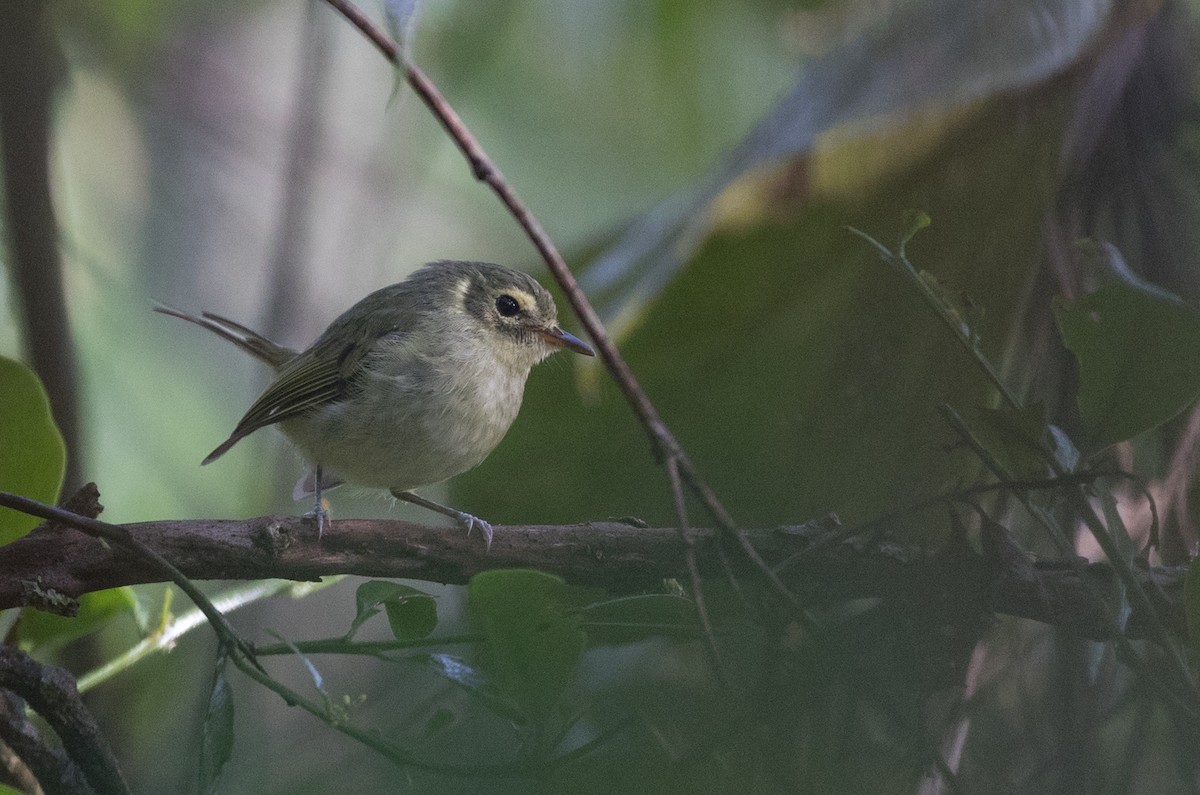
[[387, 436]]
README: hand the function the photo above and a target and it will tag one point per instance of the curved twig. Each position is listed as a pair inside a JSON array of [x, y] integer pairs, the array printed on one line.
[[693, 569]]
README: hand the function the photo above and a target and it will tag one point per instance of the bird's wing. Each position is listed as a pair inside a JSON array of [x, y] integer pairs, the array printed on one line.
[[324, 373], [306, 383]]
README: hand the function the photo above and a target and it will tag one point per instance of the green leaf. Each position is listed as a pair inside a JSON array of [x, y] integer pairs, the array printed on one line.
[[47, 631], [1191, 604], [412, 617], [411, 613], [440, 721], [635, 617], [217, 741], [32, 456], [533, 633], [1020, 440], [818, 370], [999, 50], [1139, 358]]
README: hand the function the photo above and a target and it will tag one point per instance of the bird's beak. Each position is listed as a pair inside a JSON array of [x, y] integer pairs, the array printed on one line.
[[562, 339]]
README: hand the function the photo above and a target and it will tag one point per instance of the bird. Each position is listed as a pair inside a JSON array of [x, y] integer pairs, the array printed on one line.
[[414, 384]]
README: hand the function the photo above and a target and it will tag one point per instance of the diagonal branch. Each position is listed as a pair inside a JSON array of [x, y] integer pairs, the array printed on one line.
[[693, 569]]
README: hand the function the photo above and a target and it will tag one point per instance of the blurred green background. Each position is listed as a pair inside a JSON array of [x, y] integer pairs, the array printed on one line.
[[698, 163]]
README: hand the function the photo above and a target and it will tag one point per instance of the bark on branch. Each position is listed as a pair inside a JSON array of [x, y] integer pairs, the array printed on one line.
[[51, 693], [54, 565]]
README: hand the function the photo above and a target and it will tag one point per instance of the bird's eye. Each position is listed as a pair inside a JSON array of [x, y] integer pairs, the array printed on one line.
[[507, 306]]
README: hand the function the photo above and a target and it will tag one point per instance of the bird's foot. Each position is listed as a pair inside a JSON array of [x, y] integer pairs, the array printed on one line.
[[465, 519], [471, 522], [320, 514]]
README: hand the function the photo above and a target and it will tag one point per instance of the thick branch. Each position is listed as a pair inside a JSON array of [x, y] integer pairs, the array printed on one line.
[[51, 693], [39, 765], [52, 566]]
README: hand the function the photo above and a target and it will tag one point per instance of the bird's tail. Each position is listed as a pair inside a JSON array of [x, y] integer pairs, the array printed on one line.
[[251, 342]]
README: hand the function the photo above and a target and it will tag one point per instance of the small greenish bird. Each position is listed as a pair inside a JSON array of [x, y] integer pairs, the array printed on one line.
[[414, 384]]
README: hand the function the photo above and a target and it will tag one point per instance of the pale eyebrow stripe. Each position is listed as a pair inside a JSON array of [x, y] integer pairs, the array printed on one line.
[[527, 301], [460, 294]]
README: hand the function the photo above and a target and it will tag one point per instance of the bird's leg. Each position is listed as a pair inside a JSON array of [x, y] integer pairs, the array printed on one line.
[[462, 517], [319, 511]]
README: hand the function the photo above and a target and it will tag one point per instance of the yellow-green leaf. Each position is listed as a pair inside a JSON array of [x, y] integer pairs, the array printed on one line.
[[32, 455]]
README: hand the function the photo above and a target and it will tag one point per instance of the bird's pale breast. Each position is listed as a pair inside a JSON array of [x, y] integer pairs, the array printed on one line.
[[414, 422]]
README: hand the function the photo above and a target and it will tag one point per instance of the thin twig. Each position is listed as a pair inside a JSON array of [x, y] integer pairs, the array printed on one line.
[[689, 541], [364, 648], [957, 326], [946, 498], [1189, 702], [1153, 540], [1120, 563]]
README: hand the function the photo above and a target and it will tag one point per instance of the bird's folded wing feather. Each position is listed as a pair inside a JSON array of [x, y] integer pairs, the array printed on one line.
[[311, 380], [324, 373]]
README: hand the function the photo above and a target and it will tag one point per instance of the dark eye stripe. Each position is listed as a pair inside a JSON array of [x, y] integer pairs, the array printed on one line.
[[507, 306]]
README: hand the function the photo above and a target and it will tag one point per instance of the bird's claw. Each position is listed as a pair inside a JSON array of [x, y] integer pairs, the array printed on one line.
[[320, 514], [464, 519], [471, 522]]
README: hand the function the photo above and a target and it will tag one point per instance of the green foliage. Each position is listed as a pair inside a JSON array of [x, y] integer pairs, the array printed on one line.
[[46, 632], [411, 613], [32, 455], [1021, 441], [958, 64], [1139, 358], [534, 638], [800, 376]]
